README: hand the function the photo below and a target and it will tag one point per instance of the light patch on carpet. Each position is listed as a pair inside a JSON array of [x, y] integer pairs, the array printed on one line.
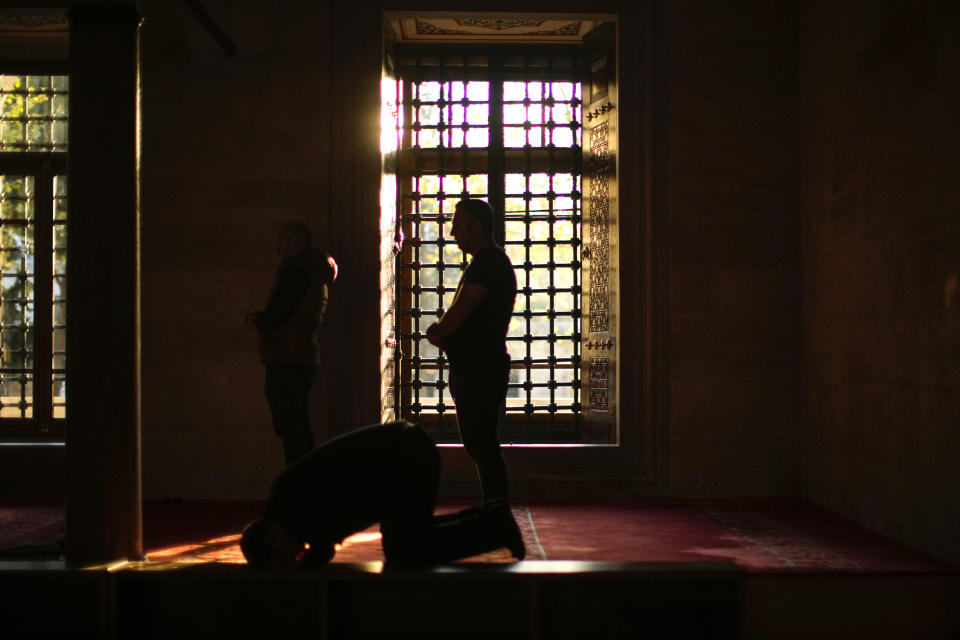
[[785, 546], [528, 530]]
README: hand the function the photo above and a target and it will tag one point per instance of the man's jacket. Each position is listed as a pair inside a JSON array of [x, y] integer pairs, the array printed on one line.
[[287, 328]]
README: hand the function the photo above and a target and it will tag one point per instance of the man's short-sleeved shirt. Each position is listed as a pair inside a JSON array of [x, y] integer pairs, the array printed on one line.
[[481, 342]]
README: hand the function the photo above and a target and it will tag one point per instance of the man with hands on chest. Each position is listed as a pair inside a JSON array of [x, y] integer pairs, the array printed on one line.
[[472, 333]]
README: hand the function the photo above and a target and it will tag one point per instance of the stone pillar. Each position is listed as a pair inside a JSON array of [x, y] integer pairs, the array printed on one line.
[[103, 520]]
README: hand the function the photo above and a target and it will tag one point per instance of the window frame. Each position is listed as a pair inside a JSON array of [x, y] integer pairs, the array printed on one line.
[[546, 426], [45, 166], [639, 463]]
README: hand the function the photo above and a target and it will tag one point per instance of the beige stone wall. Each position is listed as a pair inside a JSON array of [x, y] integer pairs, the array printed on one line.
[[881, 307], [734, 246], [232, 145]]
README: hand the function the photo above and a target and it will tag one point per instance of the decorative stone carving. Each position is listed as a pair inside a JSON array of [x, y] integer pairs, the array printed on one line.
[[599, 384], [599, 168]]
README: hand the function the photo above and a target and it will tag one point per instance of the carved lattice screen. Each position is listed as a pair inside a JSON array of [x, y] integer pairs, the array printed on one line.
[[505, 127]]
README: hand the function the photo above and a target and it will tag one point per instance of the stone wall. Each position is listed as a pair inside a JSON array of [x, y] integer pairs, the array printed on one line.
[[735, 252], [881, 298], [232, 146]]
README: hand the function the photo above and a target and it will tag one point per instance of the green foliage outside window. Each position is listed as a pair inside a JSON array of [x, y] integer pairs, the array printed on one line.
[[34, 113], [33, 207]]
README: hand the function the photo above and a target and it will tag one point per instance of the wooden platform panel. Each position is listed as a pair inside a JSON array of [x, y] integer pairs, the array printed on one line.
[[530, 600], [366, 600]]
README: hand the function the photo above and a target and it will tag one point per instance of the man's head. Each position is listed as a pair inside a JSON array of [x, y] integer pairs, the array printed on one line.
[[472, 226], [293, 238], [265, 541]]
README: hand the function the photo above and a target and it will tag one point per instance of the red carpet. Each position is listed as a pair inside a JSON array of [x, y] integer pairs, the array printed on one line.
[[201, 531], [30, 527], [759, 535]]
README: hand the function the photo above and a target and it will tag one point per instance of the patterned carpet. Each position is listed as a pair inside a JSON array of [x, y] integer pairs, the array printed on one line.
[[360, 547], [759, 535], [30, 529]]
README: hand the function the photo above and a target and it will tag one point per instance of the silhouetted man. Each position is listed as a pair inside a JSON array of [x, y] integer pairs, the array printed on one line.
[[287, 334], [385, 473], [473, 333]]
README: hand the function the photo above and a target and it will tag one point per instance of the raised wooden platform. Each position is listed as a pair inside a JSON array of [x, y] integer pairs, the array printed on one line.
[[533, 599]]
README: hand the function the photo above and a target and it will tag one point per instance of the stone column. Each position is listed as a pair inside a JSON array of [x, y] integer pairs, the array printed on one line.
[[103, 520]]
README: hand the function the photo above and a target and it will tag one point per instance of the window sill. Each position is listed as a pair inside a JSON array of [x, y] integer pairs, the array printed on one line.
[[535, 445], [31, 442]]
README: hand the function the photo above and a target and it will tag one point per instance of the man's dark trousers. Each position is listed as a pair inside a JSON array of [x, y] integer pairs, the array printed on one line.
[[479, 396], [288, 390]]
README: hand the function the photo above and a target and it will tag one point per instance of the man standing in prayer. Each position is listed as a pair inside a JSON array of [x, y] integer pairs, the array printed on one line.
[[473, 332], [287, 334]]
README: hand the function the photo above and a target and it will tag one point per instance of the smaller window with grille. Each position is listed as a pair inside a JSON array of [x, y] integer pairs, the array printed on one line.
[[33, 253], [506, 127]]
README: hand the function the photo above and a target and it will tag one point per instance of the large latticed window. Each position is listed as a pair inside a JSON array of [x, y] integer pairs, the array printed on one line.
[[505, 127], [33, 214]]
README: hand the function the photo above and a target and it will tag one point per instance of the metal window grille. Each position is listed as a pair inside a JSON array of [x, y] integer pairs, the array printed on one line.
[[34, 113], [17, 256], [505, 128], [33, 215], [59, 296]]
